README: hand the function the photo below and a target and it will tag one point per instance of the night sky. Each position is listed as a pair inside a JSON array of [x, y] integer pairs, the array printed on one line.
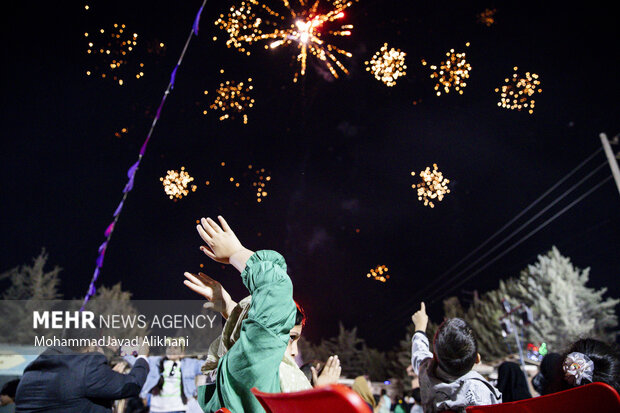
[[340, 153]]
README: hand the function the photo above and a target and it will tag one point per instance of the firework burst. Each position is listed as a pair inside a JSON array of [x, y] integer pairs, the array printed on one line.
[[305, 26], [256, 179], [379, 273], [176, 184], [387, 65], [113, 48], [233, 99], [517, 92], [260, 181], [486, 17], [433, 186], [451, 73]]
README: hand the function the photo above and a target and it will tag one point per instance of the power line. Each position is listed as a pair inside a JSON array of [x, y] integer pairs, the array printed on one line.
[[435, 282], [519, 215], [513, 246], [529, 221]]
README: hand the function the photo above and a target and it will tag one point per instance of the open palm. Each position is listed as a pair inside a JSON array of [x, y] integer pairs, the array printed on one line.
[[218, 297]]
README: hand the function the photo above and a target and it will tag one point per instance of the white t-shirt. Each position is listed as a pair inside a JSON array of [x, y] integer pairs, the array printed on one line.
[[169, 398]]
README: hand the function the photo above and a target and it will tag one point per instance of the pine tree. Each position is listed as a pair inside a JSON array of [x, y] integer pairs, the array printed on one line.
[[32, 282], [115, 301], [564, 307], [484, 317], [356, 358], [28, 286]]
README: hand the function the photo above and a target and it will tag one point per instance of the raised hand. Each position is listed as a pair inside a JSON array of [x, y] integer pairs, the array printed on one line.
[[221, 242], [420, 318], [330, 373], [218, 297]]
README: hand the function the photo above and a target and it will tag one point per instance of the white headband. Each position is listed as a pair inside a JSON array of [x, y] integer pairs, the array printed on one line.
[[577, 366]]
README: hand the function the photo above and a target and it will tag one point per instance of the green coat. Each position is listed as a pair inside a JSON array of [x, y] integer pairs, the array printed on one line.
[[254, 359]]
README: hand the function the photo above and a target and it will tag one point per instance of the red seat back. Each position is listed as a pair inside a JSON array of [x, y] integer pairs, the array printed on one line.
[[594, 397], [332, 398], [223, 410]]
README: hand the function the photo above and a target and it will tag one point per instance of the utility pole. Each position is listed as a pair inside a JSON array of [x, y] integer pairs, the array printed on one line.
[[613, 162], [509, 325]]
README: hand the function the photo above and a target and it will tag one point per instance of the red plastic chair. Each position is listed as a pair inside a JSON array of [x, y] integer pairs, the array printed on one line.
[[333, 398], [223, 410], [593, 397]]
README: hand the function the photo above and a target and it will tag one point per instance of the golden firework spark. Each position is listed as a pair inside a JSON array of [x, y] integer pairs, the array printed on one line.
[[176, 183], [451, 73], [233, 99], [302, 25], [259, 184], [487, 17], [433, 186], [518, 92], [387, 65], [256, 179], [379, 273], [121, 132], [113, 48]]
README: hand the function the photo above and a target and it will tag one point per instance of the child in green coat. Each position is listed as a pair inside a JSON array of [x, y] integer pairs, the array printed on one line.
[[266, 338]]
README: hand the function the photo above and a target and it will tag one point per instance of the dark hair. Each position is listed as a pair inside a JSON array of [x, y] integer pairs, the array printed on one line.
[[548, 373], [416, 395], [455, 347], [512, 383], [9, 388], [300, 316], [156, 390], [383, 391], [606, 359]]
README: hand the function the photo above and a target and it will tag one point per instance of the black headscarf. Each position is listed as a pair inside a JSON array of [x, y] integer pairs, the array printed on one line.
[[512, 383], [548, 380]]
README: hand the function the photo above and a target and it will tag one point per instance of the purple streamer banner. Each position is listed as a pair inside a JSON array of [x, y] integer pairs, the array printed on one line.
[[129, 185], [172, 79], [143, 148], [131, 172], [197, 20], [96, 274], [118, 209]]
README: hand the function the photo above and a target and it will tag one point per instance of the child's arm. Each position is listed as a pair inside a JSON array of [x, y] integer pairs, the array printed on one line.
[[254, 359], [420, 349]]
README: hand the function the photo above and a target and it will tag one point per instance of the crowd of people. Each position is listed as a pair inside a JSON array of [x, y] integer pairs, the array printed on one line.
[[258, 347]]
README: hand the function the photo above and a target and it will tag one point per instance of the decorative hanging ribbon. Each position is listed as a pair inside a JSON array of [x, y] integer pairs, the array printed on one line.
[[131, 172]]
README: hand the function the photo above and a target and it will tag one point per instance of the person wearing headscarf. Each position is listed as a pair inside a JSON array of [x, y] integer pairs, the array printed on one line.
[[512, 382], [548, 374], [586, 361], [259, 340], [362, 387]]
